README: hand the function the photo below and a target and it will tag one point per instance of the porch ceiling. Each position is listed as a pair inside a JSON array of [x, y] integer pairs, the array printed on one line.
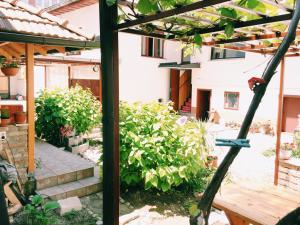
[[259, 29]]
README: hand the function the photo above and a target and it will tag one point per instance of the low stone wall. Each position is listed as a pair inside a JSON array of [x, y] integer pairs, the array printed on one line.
[[289, 174], [16, 146]]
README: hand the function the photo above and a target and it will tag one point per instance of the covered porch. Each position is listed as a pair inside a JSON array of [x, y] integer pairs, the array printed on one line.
[[28, 32]]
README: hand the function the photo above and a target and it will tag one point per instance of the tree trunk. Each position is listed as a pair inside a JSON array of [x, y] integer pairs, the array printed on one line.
[[209, 194]]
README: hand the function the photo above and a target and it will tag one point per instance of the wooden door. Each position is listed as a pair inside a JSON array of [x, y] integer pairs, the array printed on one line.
[[94, 85], [203, 104], [174, 89], [291, 110]]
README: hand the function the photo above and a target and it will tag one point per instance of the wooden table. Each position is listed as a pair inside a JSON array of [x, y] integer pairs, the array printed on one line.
[[264, 206]]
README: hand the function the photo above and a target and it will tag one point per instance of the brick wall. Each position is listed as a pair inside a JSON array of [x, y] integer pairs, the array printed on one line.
[[16, 146]]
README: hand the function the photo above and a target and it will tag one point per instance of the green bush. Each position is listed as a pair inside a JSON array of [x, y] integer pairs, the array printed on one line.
[[156, 150], [63, 110]]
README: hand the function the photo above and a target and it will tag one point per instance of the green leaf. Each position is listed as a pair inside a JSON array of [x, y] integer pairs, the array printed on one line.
[[198, 39], [51, 206], [147, 6], [37, 200], [193, 210], [228, 12], [252, 4], [229, 30]]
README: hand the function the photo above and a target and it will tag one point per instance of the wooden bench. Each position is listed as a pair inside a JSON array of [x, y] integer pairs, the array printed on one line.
[[244, 206]]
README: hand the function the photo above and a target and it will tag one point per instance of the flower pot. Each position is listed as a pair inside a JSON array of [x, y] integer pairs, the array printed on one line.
[[285, 154], [5, 122], [20, 117], [212, 162], [10, 71]]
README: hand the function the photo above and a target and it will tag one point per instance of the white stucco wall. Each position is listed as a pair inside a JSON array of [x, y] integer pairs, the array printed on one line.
[[140, 77], [232, 75]]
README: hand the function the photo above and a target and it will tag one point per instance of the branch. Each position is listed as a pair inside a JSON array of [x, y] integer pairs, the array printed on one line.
[[293, 218], [209, 194]]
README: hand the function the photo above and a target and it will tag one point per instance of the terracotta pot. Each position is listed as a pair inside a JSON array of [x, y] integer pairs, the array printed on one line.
[[20, 117], [5, 122], [285, 154], [212, 161], [10, 71]]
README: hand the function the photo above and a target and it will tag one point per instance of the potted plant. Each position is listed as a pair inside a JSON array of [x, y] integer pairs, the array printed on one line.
[[286, 150], [10, 68], [20, 117], [5, 117]]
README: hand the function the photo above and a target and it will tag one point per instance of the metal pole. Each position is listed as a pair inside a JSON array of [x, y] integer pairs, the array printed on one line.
[[110, 109], [279, 121]]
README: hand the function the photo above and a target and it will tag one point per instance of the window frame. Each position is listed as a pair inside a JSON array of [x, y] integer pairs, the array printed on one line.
[[145, 51], [224, 54], [226, 102]]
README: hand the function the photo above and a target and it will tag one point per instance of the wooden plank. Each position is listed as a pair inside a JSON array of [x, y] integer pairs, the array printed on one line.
[[262, 207], [279, 121], [30, 104]]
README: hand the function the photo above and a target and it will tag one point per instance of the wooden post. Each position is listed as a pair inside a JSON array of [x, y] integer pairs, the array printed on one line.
[[30, 104], [110, 110], [279, 121]]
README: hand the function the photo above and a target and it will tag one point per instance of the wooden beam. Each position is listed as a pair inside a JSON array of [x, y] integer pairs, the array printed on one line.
[[30, 104], [242, 24], [11, 51], [18, 48], [40, 49], [279, 121], [110, 112], [172, 12], [5, 54], [252, 38]]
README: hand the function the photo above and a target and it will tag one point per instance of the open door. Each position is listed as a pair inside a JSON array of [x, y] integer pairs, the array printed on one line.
[[203, 104], [174, 88]]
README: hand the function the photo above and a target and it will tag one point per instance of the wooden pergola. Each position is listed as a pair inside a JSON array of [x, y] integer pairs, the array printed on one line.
[[256, 30], [27, 31]]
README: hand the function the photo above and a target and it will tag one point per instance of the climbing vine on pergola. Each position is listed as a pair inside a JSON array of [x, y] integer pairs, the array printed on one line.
[[265, 26]]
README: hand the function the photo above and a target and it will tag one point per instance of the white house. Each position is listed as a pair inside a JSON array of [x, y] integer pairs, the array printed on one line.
[[152, 70]]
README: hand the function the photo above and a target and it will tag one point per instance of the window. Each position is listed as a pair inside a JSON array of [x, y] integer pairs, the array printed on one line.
[[219, 53], [231, 100], [152, 47], [4, 87]]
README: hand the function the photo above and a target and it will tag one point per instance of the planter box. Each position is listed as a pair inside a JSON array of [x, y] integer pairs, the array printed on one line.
[[80, 149]]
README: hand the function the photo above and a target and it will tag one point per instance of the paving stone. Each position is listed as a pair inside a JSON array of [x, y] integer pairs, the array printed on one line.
[[69, 204]]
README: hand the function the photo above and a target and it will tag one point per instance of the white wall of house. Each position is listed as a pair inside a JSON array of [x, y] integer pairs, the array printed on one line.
[[233, 74], [140, 77]]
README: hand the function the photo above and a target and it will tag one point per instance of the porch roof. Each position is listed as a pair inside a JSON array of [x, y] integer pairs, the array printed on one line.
[[23, 23], [258, 29]]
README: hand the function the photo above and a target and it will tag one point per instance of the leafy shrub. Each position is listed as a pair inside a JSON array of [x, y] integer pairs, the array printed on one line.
[[157, 149], [60, 109], [39, 212]]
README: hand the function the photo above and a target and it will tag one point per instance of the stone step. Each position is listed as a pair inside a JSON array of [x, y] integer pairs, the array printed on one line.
[[47, 178], [74, 140], [78, 188], [80, 149]]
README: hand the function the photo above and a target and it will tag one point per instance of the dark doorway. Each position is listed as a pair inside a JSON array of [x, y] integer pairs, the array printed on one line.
[[181, 89], [203, 104]]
